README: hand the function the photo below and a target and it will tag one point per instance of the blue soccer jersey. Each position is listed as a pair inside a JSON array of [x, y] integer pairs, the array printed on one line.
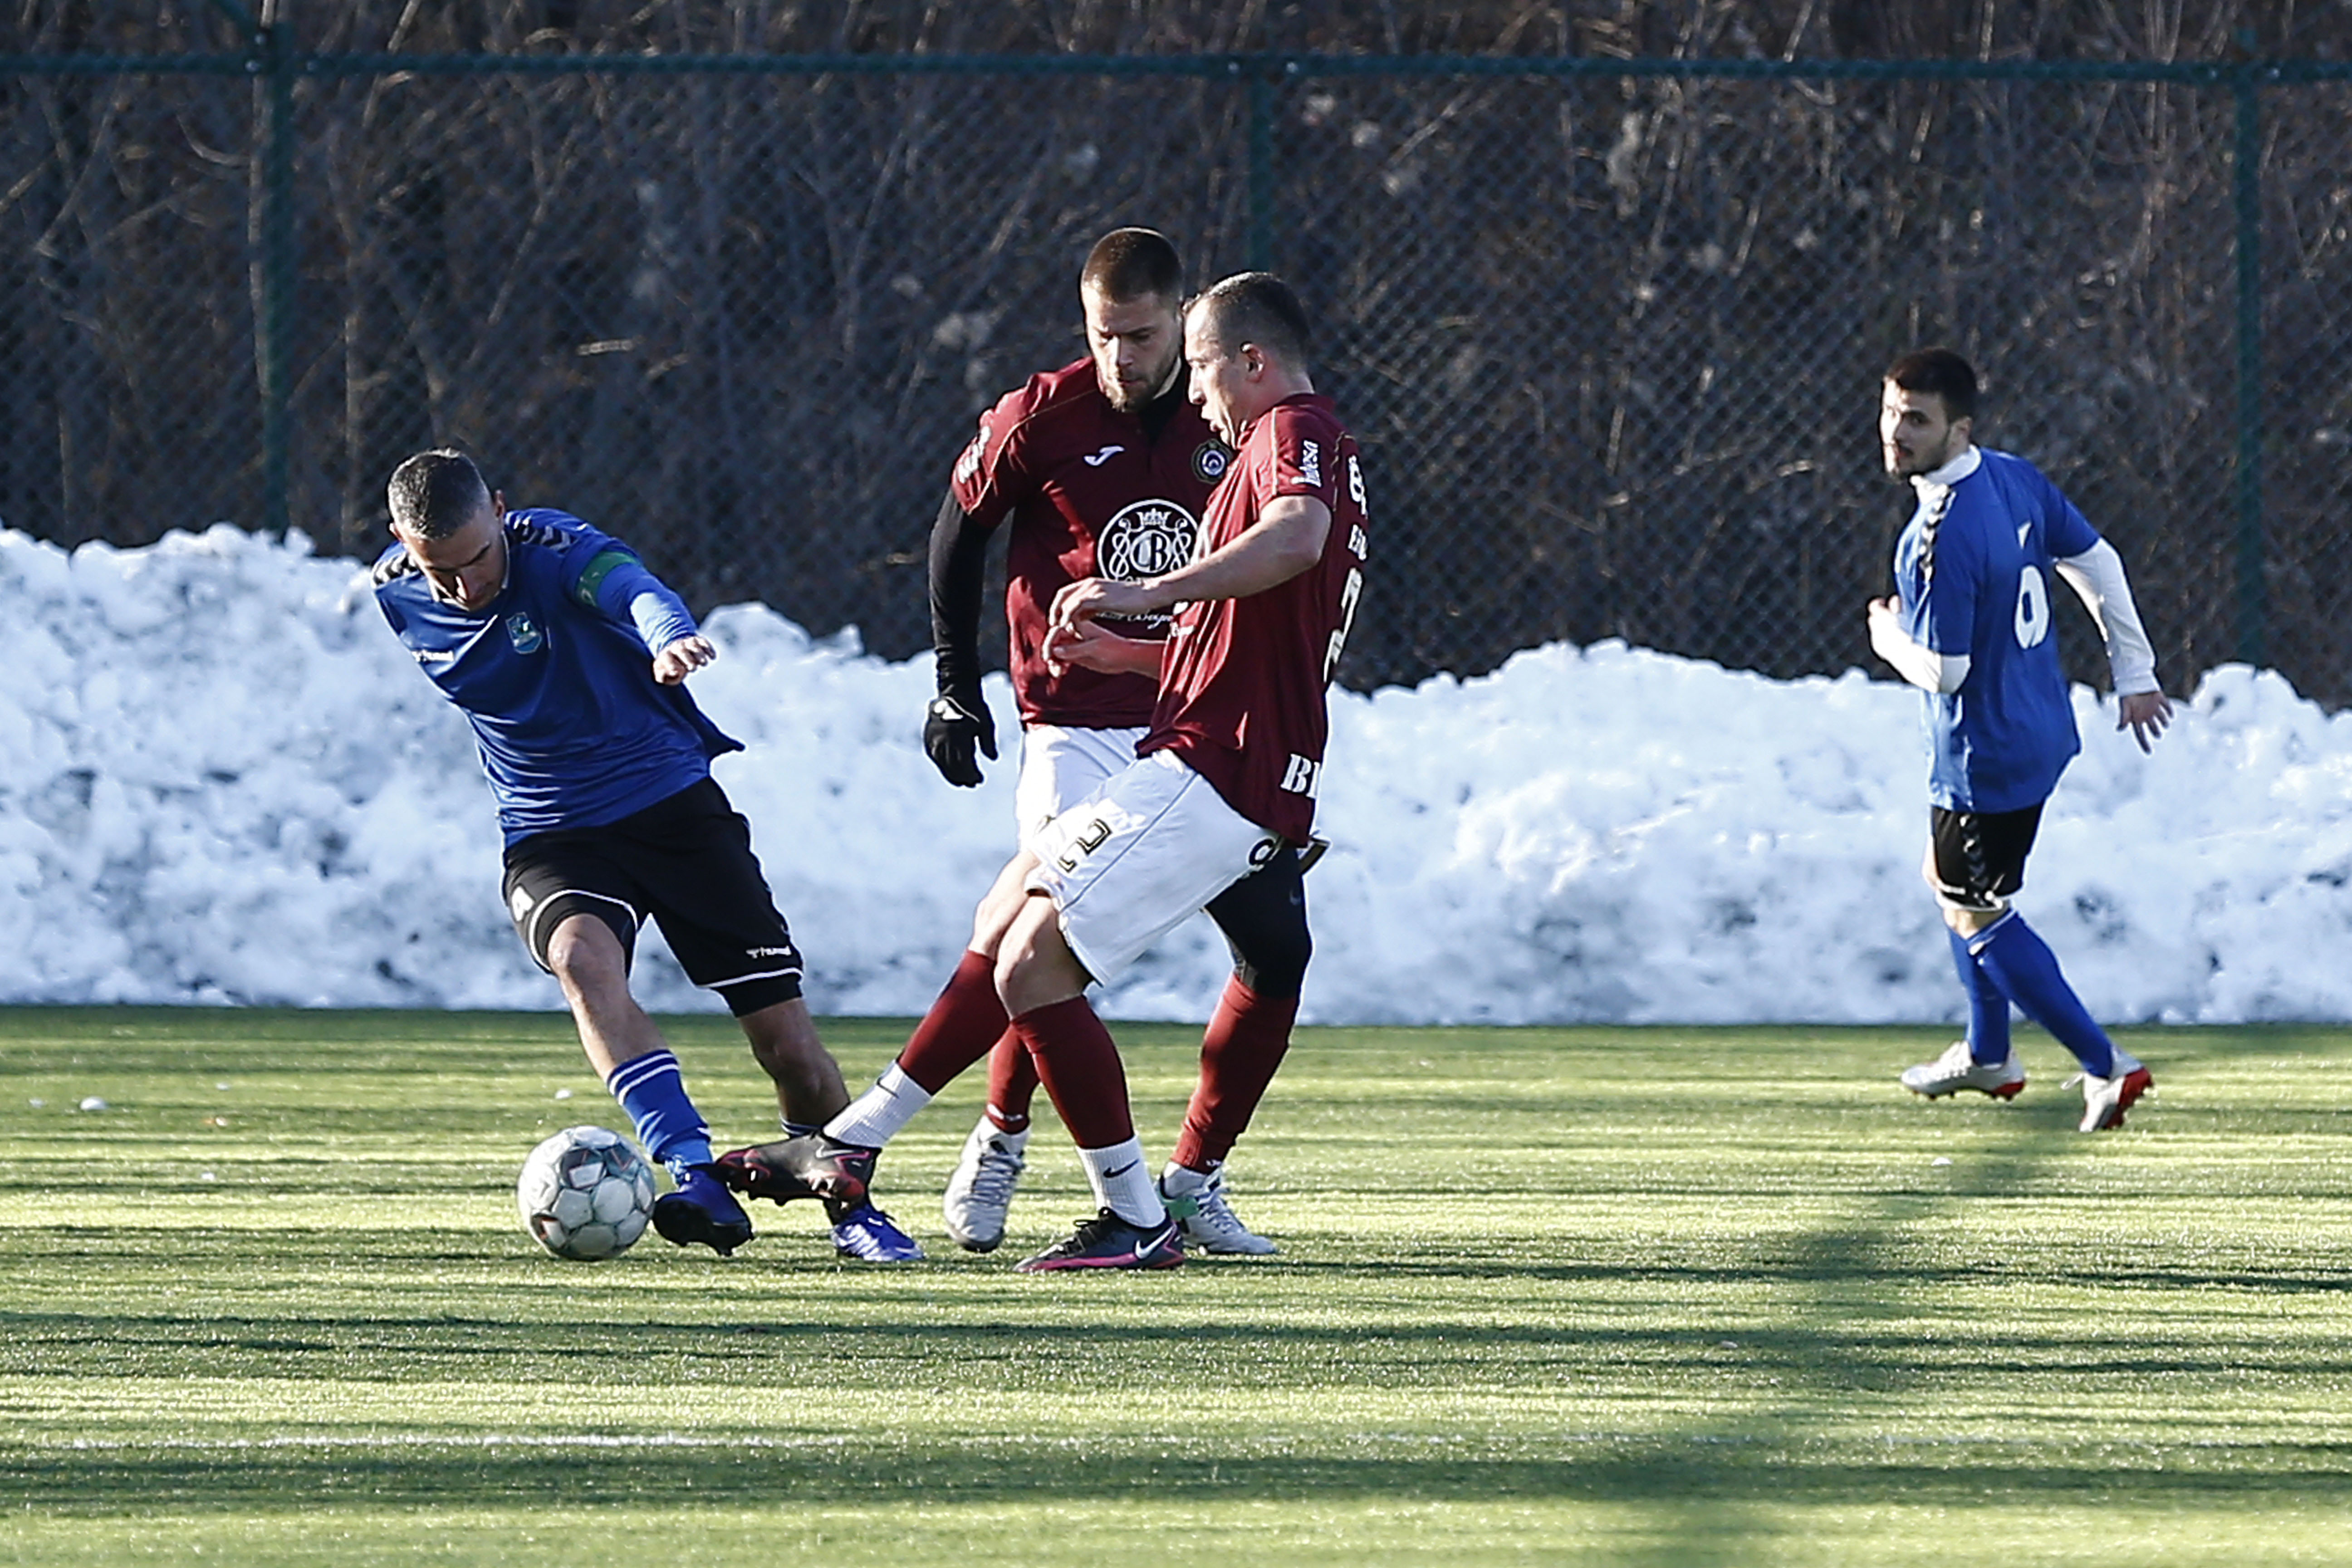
[[1973, 571], [556, 675]]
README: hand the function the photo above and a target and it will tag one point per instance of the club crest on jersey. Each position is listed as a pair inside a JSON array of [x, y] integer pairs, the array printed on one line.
[[1210, 461], [525, 636], [1145, 539]]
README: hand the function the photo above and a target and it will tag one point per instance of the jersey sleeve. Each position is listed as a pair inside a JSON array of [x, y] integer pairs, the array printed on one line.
[[2067, 532], [602, 574], [1305, 459], [993, 476]]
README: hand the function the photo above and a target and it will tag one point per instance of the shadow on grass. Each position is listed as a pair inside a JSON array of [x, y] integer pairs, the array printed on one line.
[[268, 1477]]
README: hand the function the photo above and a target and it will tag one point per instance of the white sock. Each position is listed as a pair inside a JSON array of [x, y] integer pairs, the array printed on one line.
[[874, 1118], [1018, 1143], [1123, 1184], [1183, 1181]]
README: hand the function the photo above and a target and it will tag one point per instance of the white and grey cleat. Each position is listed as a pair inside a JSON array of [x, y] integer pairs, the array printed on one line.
[[1956, 1070], [2104, 1099], [1208, 1220], [980, 1193]]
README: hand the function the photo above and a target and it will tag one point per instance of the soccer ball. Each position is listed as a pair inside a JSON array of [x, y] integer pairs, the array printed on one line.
[[585, 1194]]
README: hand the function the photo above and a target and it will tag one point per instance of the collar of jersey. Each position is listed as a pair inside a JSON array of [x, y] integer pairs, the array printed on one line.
[[1930, 485]]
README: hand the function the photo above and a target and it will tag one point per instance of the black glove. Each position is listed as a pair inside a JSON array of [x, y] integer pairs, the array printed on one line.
[[952, 725]]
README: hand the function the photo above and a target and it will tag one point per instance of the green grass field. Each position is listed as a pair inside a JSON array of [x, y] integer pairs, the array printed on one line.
[[1621, 1297]]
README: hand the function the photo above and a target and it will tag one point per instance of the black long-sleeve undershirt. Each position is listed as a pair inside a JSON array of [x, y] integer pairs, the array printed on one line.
[[959, 574]]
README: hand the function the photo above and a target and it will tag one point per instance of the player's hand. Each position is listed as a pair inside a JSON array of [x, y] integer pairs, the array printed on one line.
[[1090, 596], [954, 725], [2146, 713], [1087, 646], [1884, 609], [682, 658]]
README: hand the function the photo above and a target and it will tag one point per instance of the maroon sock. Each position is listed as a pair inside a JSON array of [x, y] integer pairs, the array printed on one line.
[[1011, 1083], [1246, 1040], [1081, 1070], [960, 1028]]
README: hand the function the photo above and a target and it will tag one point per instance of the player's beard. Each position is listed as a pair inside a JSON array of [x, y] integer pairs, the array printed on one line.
[[1135, 399]]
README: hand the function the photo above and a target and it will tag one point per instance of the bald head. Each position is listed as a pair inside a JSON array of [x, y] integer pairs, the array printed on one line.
[[1259, 309]]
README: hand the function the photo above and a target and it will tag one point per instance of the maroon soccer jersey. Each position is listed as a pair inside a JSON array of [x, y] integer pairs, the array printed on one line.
[[1241, 687], [1088, 493]]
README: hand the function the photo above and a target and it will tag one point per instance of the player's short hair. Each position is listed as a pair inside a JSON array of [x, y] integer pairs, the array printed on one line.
[[1942, 373], [1133, 263], [1257, 308], [434, 494]]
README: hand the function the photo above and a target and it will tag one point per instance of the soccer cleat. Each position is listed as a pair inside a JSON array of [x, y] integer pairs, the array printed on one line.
[[868, 1235], [1209, 1222], [1108, 1241], [701, 1210], [1956, 1070], [981, 1190], [809, 1166], [2104, 1099]]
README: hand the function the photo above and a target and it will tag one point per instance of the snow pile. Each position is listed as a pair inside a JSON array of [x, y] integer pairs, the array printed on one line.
[[221, 780]]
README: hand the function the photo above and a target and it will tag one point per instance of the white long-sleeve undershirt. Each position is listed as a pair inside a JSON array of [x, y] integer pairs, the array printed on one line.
[[1914, 661], [2096, 575]]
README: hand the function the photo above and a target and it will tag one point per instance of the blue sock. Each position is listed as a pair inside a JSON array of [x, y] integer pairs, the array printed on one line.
[[2021, 964], [1988, 1008], [650, 1089]]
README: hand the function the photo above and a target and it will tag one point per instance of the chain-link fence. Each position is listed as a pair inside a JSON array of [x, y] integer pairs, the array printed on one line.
[[1610, 330]]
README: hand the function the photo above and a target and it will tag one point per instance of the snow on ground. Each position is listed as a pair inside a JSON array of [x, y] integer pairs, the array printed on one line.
[[221, 780]]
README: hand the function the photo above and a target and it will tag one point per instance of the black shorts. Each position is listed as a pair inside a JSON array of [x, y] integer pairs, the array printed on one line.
[[685, 862], [1975, 860]]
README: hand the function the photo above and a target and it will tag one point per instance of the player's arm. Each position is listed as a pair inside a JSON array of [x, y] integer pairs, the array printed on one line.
[[1286, 538], [1914, 661], [617, 585], [2097, 577], [958, 720]]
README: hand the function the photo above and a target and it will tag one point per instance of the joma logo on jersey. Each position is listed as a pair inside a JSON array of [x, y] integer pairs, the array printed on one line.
[[1145, 539], [1302, 776], [525, 637], [1089, 839]]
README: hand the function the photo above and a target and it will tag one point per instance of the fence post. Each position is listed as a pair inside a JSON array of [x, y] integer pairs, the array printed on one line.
[[1261, 167], [274, 61], [2253, 608]]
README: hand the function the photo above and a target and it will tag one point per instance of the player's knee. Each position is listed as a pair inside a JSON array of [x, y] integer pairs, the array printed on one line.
[[1035, 967], [586, 956], [1274, 965]]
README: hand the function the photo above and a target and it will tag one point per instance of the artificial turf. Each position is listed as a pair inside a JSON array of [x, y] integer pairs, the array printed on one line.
[[1608, 1295]]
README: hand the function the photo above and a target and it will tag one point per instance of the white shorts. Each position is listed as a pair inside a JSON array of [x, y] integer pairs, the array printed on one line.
[[1060, 767], [1132, 861]]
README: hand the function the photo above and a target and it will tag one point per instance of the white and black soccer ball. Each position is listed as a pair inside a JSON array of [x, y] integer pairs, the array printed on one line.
[[585, 1194]]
